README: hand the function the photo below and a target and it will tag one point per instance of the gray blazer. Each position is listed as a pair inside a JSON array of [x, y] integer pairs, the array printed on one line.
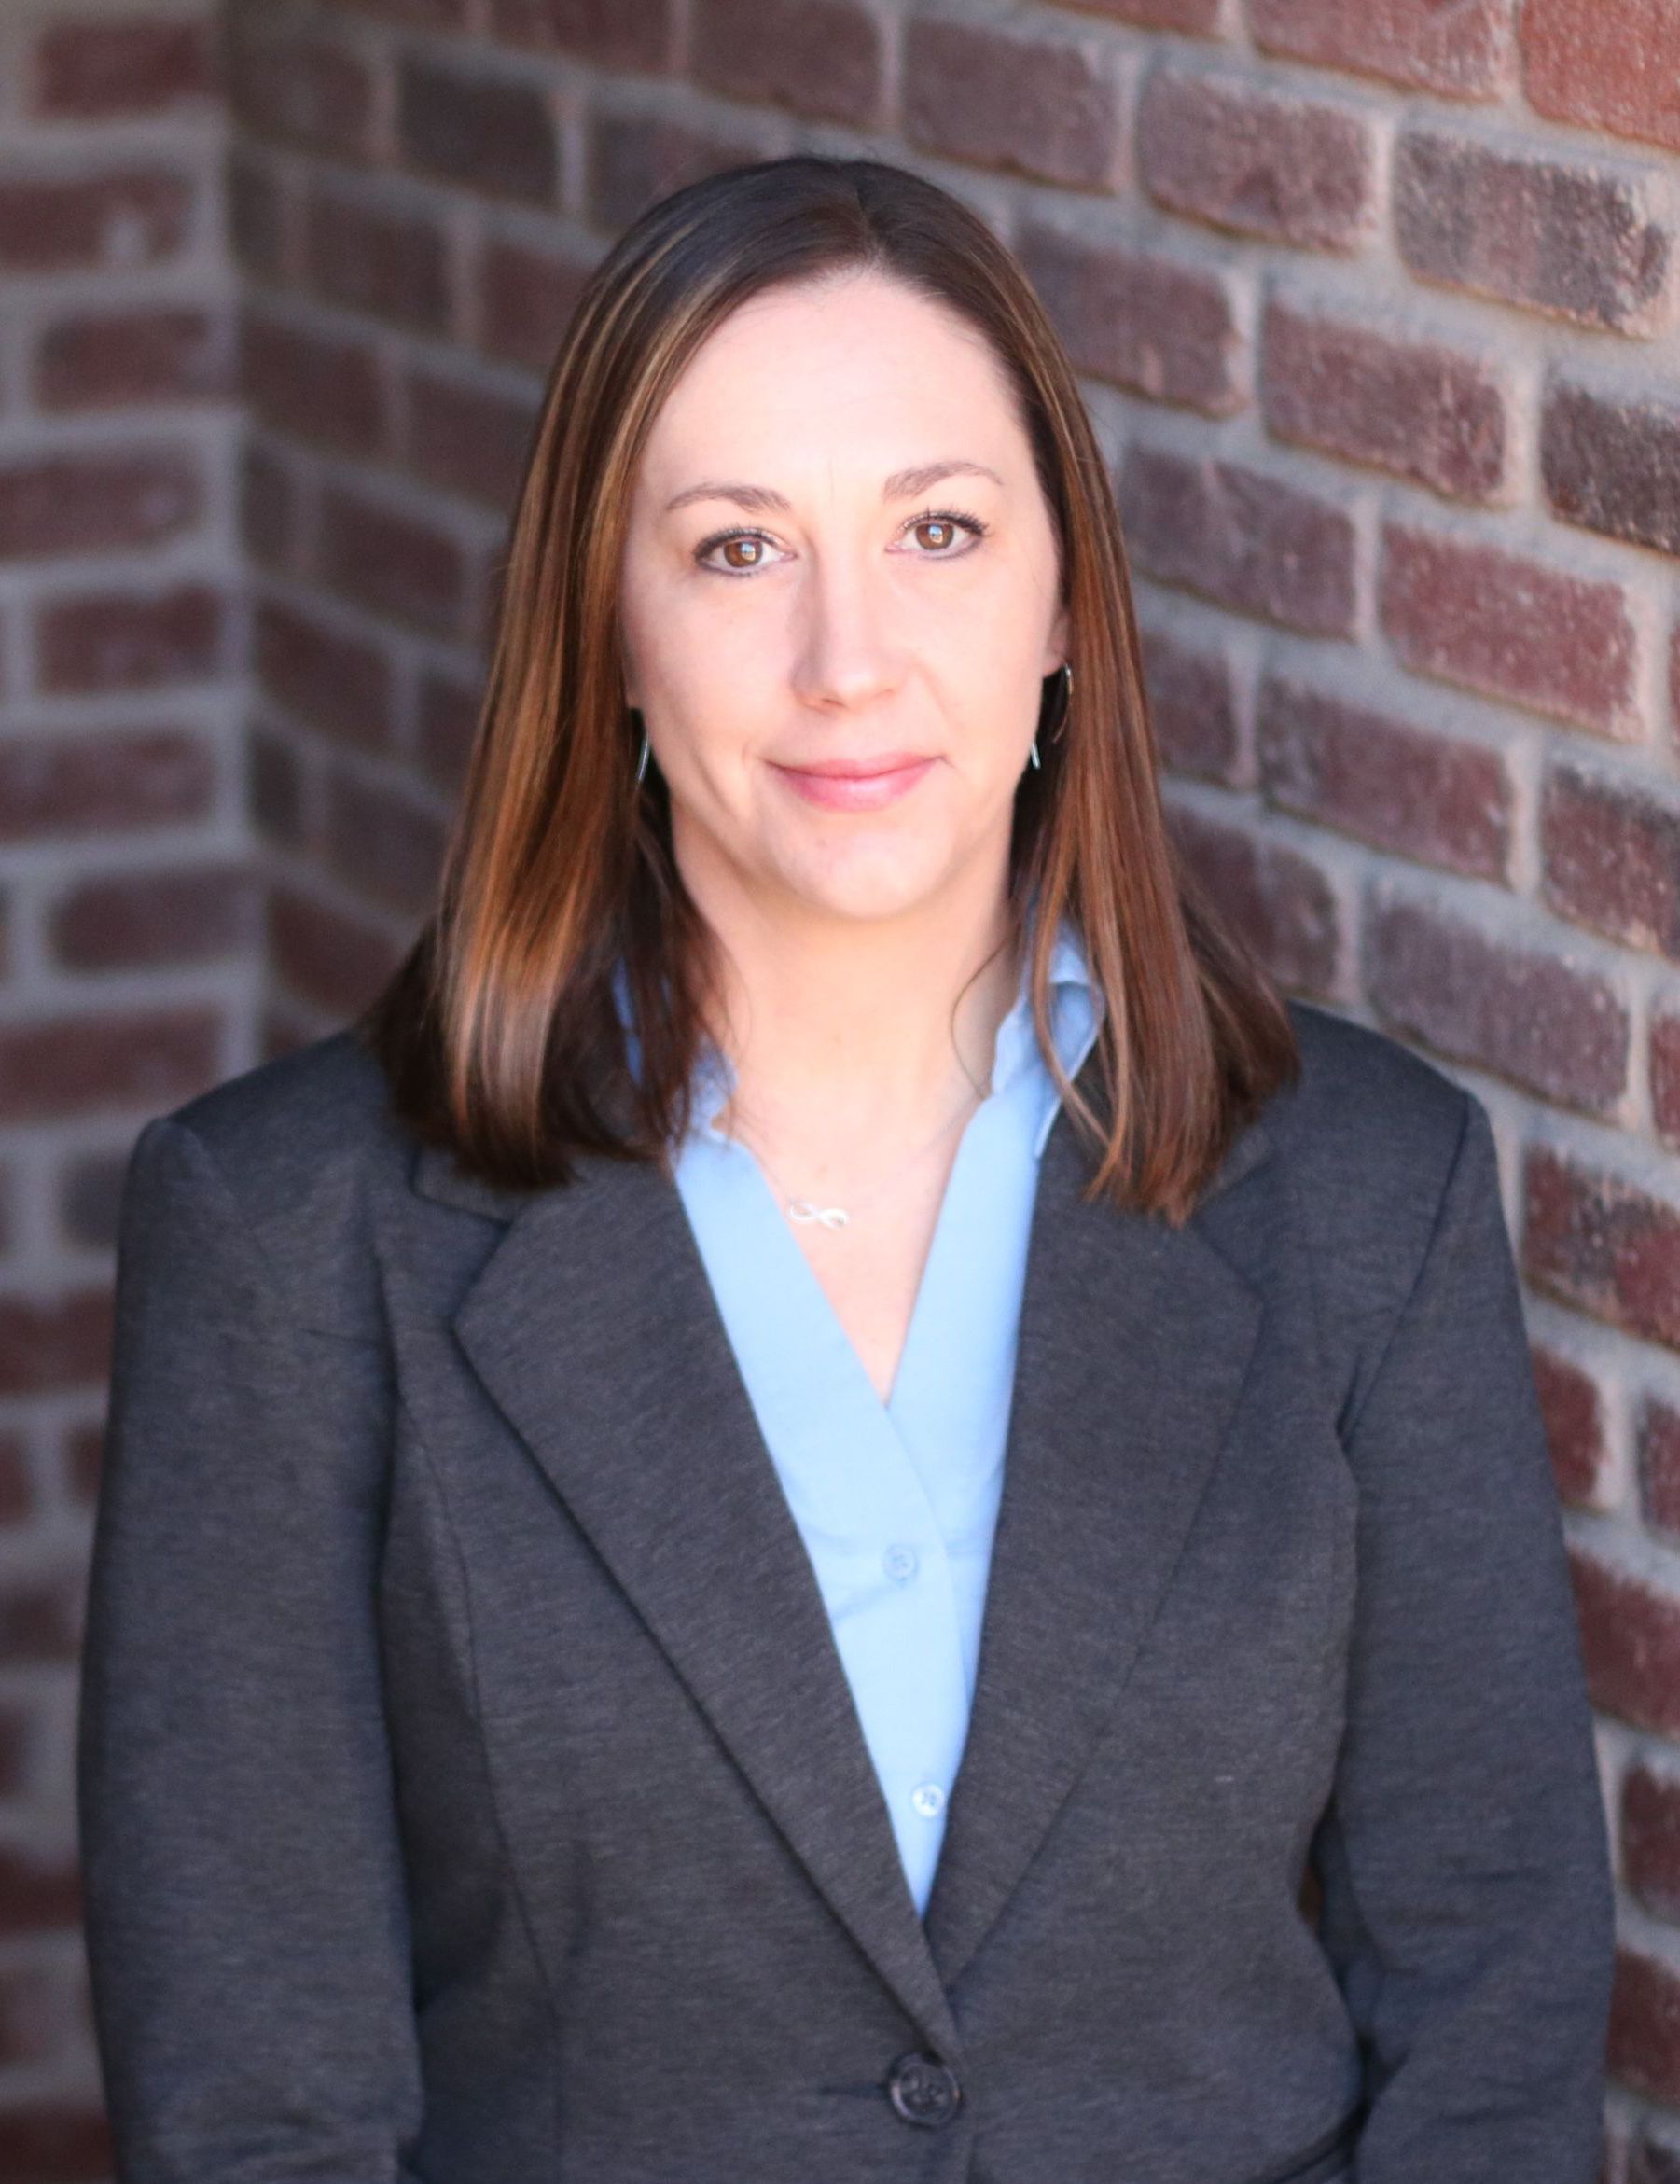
[[471, 1792]]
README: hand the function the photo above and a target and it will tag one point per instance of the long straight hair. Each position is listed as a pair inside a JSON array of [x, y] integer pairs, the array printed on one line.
[[499, 1033]]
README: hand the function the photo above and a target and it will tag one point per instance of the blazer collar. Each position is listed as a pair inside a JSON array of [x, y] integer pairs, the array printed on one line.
[[593, 1327]]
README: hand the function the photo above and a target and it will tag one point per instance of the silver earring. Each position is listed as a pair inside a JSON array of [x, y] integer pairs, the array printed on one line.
[[1068, 699], [642, 761], [1037, 759]]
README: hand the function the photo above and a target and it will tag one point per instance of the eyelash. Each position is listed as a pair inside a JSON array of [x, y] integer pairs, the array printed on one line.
[[975, 526]]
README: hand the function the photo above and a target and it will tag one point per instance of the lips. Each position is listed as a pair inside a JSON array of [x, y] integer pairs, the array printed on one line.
[[856, 785]]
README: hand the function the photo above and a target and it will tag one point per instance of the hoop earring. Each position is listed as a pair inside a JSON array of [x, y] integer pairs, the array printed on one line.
[[642, 761], [1035, 758], [1068, 699]]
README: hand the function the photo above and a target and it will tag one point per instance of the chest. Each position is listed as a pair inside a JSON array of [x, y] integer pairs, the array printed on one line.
[[871, 1270]]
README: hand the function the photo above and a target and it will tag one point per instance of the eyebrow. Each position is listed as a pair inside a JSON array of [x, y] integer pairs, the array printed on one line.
[[757, 499]]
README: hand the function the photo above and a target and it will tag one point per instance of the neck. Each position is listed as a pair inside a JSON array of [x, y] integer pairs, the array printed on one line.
[[853, 1039]]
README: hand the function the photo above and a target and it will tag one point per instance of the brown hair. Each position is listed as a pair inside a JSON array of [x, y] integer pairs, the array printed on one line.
[[499, 1034]]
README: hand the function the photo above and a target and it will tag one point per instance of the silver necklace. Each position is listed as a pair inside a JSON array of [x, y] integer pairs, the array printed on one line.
[[837, 1216]]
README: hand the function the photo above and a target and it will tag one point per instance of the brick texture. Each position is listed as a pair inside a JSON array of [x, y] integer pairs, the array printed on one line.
[[1468, 51], [1376, 308]]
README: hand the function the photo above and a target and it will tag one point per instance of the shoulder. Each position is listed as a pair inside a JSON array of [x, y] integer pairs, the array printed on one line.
[[288, 1160], [1368, 1138]]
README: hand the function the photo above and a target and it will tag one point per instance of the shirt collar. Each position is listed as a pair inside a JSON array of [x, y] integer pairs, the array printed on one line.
[[1076, 1006]]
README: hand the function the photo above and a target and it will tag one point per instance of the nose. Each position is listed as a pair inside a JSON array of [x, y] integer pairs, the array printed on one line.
[[848, 650]]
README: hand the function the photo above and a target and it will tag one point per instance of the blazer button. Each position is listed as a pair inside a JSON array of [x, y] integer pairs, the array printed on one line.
[[923, 2090]]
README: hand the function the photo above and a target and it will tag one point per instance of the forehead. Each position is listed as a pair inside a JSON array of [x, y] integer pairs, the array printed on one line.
[[862, 366]]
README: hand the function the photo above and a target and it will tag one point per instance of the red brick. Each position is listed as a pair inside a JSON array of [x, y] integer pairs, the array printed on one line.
[[526, 300], [612, 33], [1243, 538], [258, 217], [120, 640], [1564, 239], [1280, 901], [109, 359], [1437, 799], [1611, 857], [490, 133], [17, 1483], [89, 1211], [269, 514], [1610, 64], [1630, 1640], [290, 82], [378, 258], [1013, 97], [47, 1344], [825, 58], [1192, 706], [320, 387], [428, 15], [1665, 1075], [335, 682], [89, 70], [470, 439], [37, 2022], [1411, 407], [97, 502], [55, 2142], [1612, 462], [1604, 1247], [1258, 161], [1495, 621], [83, 1459], [1659, 1472], [1199, 18], [335, 962], [276, 786], [1525, 1015], [393, 563], [1465, 52], [1149, 323], [1643, 2047], [633, 158], [145, 920], [102, 782], [118, 220], [383, 841], [1651, 1839], [53, 1068], [448, 723], [1573, 1415]]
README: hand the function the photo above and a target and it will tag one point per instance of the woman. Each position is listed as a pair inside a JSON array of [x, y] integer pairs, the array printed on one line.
[[833, 1504]]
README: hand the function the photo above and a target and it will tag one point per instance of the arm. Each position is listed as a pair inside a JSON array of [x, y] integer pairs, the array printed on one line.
[[1464, 1859], [247, 1918]]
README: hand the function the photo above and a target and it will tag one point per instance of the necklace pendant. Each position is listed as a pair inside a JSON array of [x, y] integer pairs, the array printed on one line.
[[831, 1216]]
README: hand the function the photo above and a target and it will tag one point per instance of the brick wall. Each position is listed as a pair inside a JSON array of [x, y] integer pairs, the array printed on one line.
[[129, 923], [1378, 306]]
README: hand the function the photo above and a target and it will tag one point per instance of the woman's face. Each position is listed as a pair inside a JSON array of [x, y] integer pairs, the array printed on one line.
[[839, 557]]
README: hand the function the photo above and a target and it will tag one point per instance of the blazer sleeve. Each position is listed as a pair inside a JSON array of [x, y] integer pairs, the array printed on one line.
[[245, 1913], [1464, 1861]]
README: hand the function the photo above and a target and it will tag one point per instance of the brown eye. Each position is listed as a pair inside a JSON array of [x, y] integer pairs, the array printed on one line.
[[947, 530], [755, 545]]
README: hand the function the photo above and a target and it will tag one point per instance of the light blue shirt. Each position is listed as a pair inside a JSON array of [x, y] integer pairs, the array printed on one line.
[[897, 1502]]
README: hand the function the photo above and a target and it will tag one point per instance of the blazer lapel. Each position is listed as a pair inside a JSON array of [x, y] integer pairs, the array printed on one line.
[[1135, 1339], [593, 1328]]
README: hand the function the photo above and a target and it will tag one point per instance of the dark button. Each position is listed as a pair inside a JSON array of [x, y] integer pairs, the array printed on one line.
[[923, 2090]]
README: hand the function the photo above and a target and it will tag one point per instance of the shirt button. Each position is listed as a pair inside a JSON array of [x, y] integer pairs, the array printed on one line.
[[928, 1800], [900, 1564]]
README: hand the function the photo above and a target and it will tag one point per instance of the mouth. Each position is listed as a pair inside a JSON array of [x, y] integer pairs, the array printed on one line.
[[856, 785]]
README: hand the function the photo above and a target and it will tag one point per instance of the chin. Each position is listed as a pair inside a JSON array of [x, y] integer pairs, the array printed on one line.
[[867, 888]]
